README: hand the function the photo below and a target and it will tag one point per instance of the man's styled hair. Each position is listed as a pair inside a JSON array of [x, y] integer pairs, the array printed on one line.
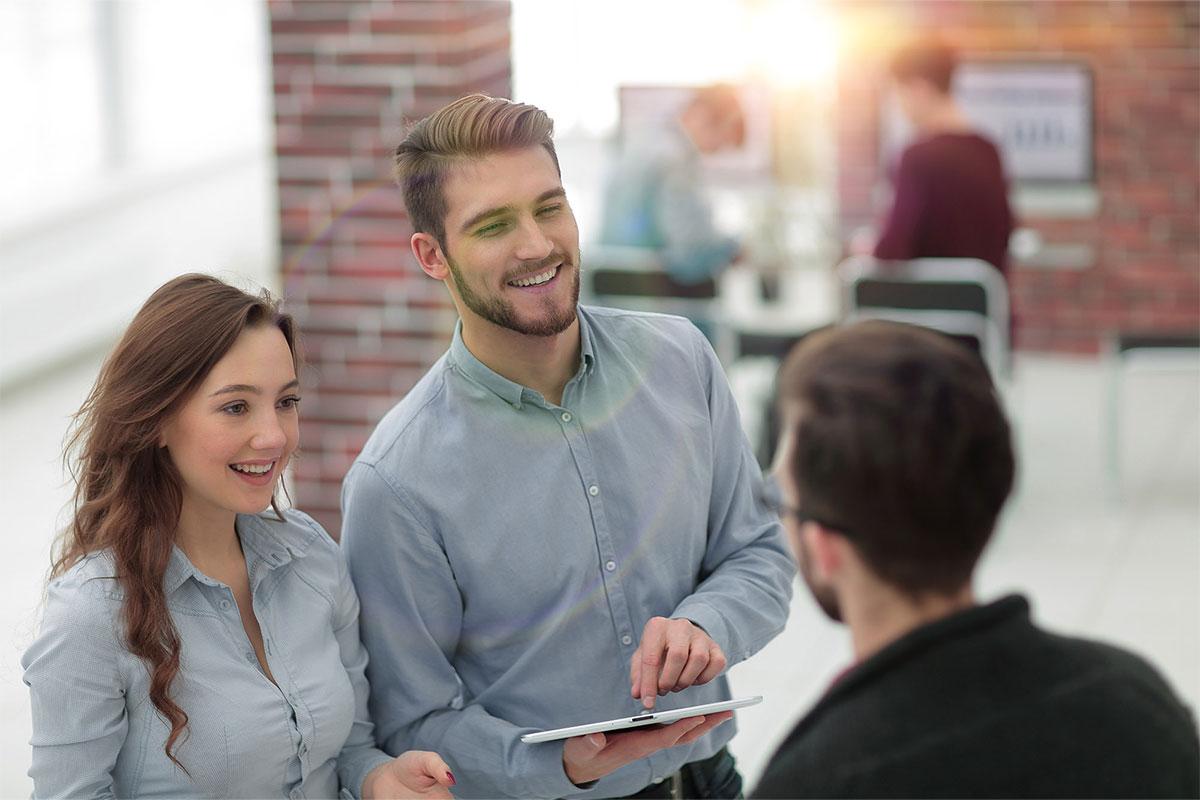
[[929, 60], [902, 446], [470, 127]]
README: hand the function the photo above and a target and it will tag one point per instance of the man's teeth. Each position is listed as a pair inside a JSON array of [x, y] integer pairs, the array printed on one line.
[[541, 277], [253, 469]]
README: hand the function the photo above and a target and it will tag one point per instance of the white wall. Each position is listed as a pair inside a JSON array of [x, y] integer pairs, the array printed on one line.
[[144, 151]]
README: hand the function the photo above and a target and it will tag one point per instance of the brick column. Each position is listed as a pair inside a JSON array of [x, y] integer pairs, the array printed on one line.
[[347, 77], [1145, 58]]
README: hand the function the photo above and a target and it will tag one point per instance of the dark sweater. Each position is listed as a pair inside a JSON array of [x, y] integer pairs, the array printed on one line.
[[985, 704], [951, 202]]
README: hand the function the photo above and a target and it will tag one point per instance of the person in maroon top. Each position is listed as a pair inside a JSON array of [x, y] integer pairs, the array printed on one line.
[[951, 198]]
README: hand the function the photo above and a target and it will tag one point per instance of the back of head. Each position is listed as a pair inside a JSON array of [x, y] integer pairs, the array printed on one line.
[[128, 493], [927, 60], [718, 109], [471, 127], [900, 444]]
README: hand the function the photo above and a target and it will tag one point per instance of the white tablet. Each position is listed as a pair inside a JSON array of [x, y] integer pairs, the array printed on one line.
[[649, 718]]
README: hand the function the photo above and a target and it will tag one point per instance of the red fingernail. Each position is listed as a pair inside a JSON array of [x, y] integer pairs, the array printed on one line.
[[450, 775]]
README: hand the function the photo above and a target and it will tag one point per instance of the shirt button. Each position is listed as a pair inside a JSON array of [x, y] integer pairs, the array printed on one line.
[[566, 416], [658, 780], [610, 565], [250, 657], [593, 490], [225, 604], [627, 640]]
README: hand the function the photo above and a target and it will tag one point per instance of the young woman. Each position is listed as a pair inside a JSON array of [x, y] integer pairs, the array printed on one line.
[[193, 643]]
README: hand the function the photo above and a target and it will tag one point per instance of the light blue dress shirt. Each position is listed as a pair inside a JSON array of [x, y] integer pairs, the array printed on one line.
[[654, 198], [96, 733], [509, 552]]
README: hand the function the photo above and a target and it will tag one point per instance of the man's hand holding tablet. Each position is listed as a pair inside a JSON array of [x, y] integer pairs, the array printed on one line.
[[589, 758], [673, 655]]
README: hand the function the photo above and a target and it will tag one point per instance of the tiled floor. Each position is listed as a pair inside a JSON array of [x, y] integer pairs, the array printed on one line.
[[1123, 566]]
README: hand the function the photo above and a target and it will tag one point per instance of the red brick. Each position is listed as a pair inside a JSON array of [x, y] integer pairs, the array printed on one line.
[[312, 27]]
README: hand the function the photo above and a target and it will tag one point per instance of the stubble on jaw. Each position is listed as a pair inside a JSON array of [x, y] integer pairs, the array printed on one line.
[[824, 595], [503, 313]]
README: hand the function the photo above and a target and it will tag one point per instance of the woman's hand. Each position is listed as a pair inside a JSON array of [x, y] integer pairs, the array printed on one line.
[[417, 773]]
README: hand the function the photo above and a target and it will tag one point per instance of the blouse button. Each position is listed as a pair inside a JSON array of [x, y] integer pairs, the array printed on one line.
[[593, 490], [566, 416]]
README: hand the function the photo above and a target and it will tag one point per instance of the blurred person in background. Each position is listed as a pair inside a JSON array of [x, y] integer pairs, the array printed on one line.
[[558, 523], [191, 645], [655, 196], [894, 464], [951, 196]]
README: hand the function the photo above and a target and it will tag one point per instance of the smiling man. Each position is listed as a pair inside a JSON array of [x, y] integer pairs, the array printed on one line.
[[559, 523]]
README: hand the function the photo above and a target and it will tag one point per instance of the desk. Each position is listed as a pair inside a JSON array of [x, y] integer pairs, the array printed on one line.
[[754, 326], [756, 334]]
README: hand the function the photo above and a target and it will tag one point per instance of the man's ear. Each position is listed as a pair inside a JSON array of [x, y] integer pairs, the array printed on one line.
[[429, 255], [826, 548]]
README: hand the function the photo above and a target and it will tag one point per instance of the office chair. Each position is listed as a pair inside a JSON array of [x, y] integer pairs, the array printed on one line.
[[963, 297]]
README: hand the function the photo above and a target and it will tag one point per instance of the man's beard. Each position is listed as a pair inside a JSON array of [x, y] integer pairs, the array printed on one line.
[[501, 312], [824, 595]]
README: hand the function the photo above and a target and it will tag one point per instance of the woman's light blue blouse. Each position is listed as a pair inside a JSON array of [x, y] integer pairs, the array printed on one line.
[[96, 733]]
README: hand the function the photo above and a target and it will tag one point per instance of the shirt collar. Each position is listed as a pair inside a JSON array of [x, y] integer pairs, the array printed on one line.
[[260, 541], [1010, 609], [509, 391]]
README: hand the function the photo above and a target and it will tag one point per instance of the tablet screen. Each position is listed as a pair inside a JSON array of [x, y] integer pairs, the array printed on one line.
[[640, 720]]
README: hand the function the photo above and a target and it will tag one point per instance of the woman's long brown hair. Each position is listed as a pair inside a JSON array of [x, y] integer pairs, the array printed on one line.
[[128, 494]]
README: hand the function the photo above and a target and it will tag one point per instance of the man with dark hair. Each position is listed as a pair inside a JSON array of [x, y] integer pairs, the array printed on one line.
[[894, 464], [557, 525], [951, 197]]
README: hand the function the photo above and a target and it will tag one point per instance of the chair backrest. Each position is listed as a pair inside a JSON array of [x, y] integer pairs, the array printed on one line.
[[633, 277], [963, 297]]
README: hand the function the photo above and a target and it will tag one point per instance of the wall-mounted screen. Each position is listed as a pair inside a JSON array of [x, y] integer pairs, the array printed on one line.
[[1038, 113]]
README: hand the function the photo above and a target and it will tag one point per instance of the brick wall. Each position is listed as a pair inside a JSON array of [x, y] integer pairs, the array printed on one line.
[[347, 76], [1146, 235]]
